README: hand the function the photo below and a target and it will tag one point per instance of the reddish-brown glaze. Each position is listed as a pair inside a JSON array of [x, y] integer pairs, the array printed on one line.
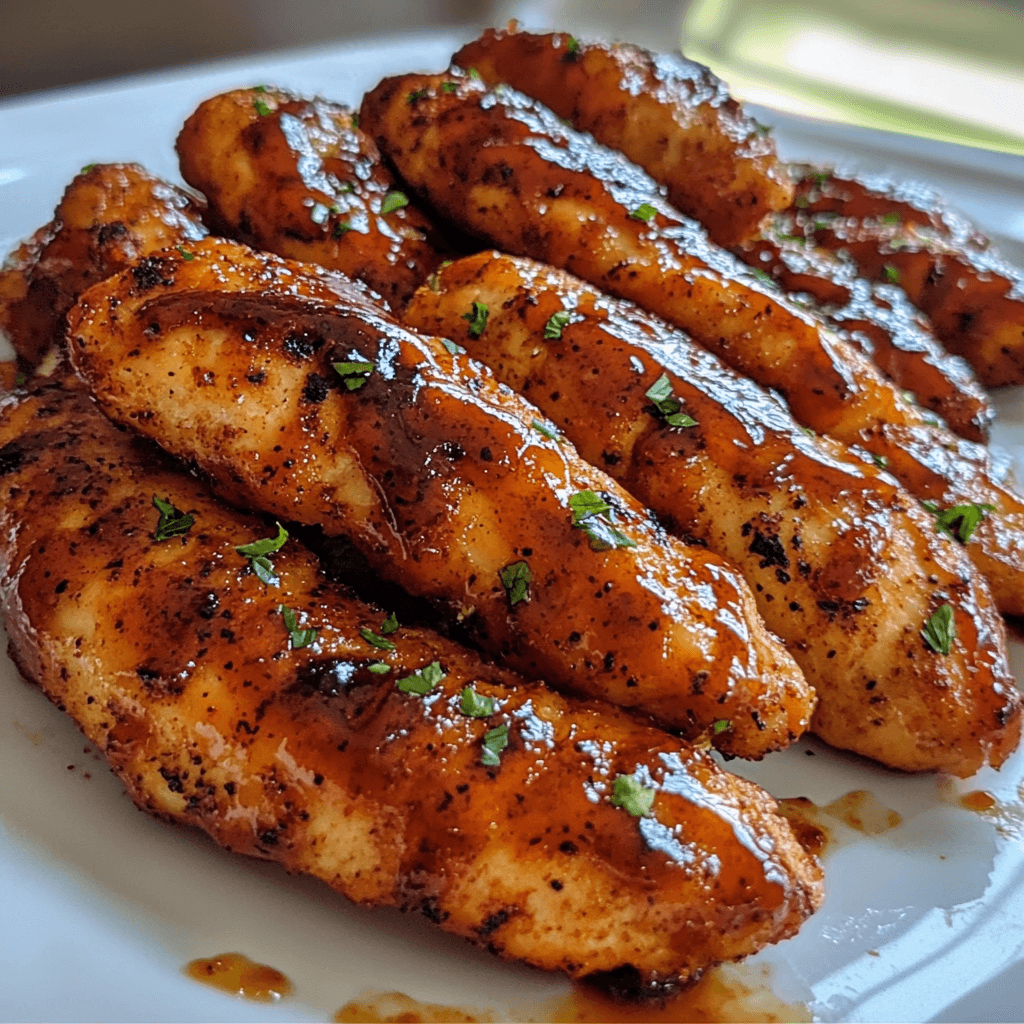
[[906, 234], [295, 177], [110, 215], [670, 115], [175, 660], [878, 319], [845, 566], [441, 476], [506, 168]]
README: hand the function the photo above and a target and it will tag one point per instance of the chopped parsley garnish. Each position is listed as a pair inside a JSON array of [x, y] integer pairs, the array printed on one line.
[[355, 120], [495, 741], [187, 256], [763, 276], [354, 373], [881, 461], [390, 624], [660, 393], [393, 201], [960, 520], [631, 796], [818, 177], [558, 321], [452, 347], [343, 227], [300, 637], [171, 523], [475, 705], [594, 516], [891, 274], [259, 88], [346, 186], [261, 108], [940, 630], [434, 280], [572, 46], [643, 212], [378, 668], [516, 580], [449, 87], [381, 643], [721, 725], [477, 317], [473, 73], [417, 95], [258, 551], [19, 379], [546, 431], [423, 680], [891, 218], [87, 168]]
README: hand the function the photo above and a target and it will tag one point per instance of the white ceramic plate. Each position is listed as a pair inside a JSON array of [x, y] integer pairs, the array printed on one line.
[[100, 906]]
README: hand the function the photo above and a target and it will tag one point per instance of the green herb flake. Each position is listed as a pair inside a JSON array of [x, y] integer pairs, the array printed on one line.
[[477, 317], [417, 95], [631, 796], [644, 212], [393, 201], [585, 504], [594, 516], [721, 725], [261, 108], [892, 218], [355, 120], [801, 202], [449, 87], [475, 705], [258, 551], [300, 637], [660, 393], [940, 630], [762, 276], [389, 625], [381, 643], [259, 88], [960, 520], [891, 274], [456, 350], [378, 668], [171, 523], [473, 73], [515, 578], [881, 461], [572, 46], [87, 168], [354, 373], [343, 227], [546, 431], [556, 324], [423, 680], [495, 741], [187, 256], [19, 380]]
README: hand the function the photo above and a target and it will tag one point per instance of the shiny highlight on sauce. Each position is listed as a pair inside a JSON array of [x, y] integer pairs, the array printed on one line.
[[237, 974]]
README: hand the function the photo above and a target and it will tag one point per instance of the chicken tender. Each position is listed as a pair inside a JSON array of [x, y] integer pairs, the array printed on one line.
[[846, 568], [417, 777], [296, 177], [302, 398], [505, 168], [669, 115]]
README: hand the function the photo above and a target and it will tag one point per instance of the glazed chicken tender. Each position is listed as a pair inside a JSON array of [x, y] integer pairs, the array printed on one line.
[[298, 741], [296, 177], [844, 565], [303, 399], [110, 215], [669, 115], [507, 169]]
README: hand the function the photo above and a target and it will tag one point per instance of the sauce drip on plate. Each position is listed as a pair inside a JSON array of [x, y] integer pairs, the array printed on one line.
[[237, 974]]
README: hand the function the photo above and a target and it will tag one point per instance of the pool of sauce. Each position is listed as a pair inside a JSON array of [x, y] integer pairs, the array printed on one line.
[[859, 809], [237, 974], [727, 995]]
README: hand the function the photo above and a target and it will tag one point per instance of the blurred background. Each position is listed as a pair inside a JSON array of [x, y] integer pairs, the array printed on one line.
[[946, 69]]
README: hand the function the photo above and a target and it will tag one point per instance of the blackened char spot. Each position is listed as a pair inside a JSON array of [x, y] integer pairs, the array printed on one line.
[[770, 548], [317, 388], [152, 271], [12, 457], [626, 984], [495, 921]]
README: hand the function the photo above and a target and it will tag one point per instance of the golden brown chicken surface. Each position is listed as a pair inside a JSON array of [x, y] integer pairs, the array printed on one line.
[[450, 484], [178, 662], [296, 177], [505, 168], [907, 235], [109, 215], [669, 115], [845, 566]]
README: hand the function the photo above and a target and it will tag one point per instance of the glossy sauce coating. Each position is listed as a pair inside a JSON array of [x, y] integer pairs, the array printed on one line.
[[295, 177], [905, 233], [878, 319], [504, 167], [175, 661], [237, 975], [443, 478], [670, 115], [109, 215], [845, 566]]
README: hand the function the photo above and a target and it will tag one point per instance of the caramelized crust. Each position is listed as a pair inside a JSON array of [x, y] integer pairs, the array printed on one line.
[[175, 660], [296, 177], [443, 478], [507, 169], [845, 566], [906, 234], [110, 215], [878, 319], [669, 115]]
